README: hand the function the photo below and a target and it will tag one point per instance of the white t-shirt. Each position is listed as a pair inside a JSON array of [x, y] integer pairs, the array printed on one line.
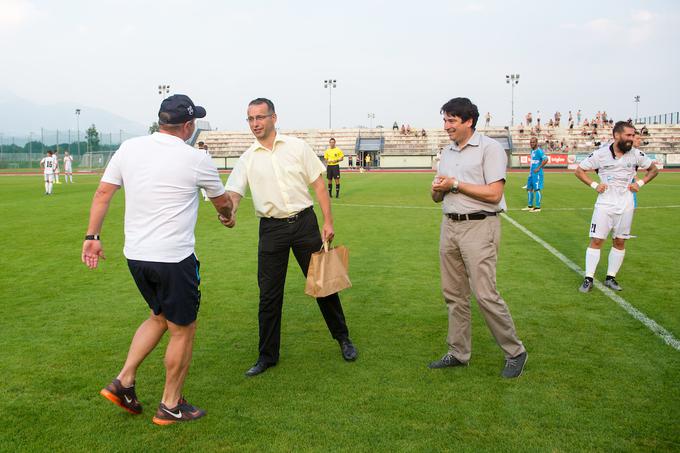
[[617, 174], [50, 164], [160, 174], [67, 162]]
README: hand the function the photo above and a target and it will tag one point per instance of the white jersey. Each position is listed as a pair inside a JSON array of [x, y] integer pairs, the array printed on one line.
[[67, 162], [49, 163], [617, 174]]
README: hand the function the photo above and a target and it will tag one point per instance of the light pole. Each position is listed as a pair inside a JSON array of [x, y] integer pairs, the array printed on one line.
[[636, 99], [371, 117], [163, 90], [330, 84], [512, 79], [78, 129]]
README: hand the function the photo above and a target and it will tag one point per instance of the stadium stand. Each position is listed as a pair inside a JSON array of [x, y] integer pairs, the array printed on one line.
[[402, 151]]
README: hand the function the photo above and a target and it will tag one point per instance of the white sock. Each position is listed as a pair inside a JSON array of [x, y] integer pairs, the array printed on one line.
[[615, 261], [592, 258], [47, 187]]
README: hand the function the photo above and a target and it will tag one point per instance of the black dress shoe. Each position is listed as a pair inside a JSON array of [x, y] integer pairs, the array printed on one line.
[[258, 368], [349, 352]]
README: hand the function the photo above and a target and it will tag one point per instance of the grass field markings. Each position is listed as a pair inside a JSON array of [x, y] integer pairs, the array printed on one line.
[[652, 325], [385, 206]]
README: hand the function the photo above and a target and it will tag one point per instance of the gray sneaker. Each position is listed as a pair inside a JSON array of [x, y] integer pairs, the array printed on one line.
[[514, 366], [446, 361], [586, 286], [611, 283]]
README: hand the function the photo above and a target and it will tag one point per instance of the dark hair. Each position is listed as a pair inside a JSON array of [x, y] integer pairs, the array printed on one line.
[[200, 143], [260, 101], [463, 108], [331, 139], [620, 126]]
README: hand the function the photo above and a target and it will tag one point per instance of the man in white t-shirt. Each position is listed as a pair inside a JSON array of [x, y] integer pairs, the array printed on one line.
[[68, 167], [48, 164], [161, 174], [617, 166]]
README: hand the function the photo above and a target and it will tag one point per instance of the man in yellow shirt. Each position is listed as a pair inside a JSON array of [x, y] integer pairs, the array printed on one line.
[[333, 156]]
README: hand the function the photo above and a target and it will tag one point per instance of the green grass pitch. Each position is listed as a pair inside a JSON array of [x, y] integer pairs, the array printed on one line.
[[596, 378]]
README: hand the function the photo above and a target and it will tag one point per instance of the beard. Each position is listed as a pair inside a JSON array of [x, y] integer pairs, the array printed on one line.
[[625, 146]]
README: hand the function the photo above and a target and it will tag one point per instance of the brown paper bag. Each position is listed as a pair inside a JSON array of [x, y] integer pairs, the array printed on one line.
[[328, 271]]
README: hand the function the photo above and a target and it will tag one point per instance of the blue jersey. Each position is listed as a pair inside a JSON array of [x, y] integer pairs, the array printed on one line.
[[537, 158]]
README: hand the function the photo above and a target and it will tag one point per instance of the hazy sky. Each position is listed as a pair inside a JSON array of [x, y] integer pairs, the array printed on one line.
[[400, 60]]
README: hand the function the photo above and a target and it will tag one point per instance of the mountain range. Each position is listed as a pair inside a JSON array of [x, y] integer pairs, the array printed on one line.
[[19, 117]]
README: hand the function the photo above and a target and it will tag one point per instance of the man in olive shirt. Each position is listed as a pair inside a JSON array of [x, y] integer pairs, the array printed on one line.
[[469, 183], [279, 169]]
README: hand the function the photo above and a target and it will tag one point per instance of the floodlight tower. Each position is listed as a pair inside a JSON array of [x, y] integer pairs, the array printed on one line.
[[78, 128], [330, 84], [512, 79], [371, 117], [163, 90], [636, 99]]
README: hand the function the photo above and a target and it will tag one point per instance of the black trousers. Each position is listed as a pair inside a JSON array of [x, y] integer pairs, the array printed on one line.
[[277, 237]]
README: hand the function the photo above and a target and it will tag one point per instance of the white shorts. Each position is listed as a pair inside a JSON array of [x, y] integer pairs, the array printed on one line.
[[49, 177], [605, 220], [68, 169]]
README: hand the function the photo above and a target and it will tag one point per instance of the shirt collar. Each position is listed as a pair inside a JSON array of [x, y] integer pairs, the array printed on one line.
[[475, 140], [167, 138], [257, 146]]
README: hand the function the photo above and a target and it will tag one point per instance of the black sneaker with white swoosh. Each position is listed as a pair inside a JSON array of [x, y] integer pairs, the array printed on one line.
[[183, 412], [124, 397]]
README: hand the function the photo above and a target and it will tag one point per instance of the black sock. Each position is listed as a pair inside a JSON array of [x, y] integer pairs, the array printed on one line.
[[589, 279], [609, 277], [330, 189], [337, 190]]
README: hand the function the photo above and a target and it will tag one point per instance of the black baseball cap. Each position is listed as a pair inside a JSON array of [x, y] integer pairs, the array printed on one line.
[[178, 109]]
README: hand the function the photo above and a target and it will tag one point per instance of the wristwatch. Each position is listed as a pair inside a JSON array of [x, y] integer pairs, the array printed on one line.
[[92, 237], [454, 187]]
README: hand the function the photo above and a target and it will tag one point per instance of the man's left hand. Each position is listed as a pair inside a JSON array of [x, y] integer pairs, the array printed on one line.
[[442, 184], [327, 234]]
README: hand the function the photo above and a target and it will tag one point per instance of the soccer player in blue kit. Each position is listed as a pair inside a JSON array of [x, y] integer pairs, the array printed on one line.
[[535, 179]]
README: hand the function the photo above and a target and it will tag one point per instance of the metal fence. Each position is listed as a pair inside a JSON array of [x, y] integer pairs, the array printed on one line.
[[663, 118]]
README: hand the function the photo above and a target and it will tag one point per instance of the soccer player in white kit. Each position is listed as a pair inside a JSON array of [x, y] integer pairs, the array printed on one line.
[[617, 166], [68, 167], [56, 167], [48, 164]]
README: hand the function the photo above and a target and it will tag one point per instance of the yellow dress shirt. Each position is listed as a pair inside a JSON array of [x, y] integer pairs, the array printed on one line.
[[278, 178]]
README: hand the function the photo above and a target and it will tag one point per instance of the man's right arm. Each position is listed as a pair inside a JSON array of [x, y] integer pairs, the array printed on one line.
[[235, 199], [223, 206]]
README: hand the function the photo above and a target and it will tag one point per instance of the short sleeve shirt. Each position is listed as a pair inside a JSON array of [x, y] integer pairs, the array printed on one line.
[[481, 161], [333, 156], [50, 163], [616, 173], [160, 175], [278, 178], [537, 158]]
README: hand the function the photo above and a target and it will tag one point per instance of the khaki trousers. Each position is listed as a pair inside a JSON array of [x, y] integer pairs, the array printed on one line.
[[468, 252]]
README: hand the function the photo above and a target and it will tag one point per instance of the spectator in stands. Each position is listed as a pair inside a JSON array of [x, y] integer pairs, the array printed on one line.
[[521, 128], [644, 130], [403, 130], [423, 133], [529, 119], [395, 127], [487, 119], [578, 117], [550, 123], [538, 118], [570, 118], [558, 117], [279, 188], [408, 129], [571, 125]]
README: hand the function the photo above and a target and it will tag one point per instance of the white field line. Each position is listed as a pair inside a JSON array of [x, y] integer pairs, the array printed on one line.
[[438, 208], [652, 325]]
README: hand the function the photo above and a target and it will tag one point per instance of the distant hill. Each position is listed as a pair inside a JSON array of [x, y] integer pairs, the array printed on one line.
[[19, 117]]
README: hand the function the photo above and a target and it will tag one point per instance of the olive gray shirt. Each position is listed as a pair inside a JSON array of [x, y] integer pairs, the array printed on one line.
[[481, 161]]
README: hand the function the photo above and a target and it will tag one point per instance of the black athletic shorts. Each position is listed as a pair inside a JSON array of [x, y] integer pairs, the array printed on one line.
[[332, 171], [172, 289]]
